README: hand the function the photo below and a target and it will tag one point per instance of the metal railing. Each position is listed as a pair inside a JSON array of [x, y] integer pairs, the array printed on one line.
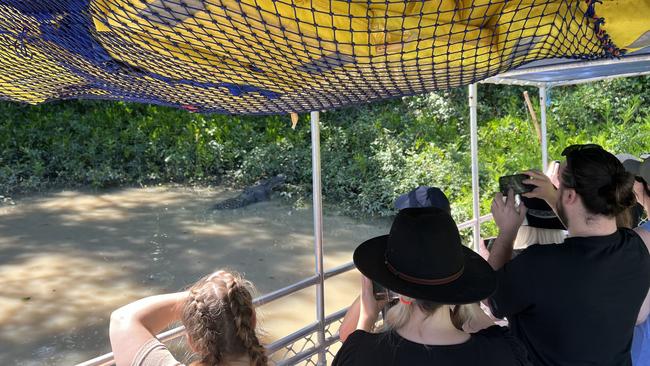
[[294, 352]]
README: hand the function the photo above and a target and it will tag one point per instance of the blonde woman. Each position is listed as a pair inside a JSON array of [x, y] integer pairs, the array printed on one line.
[[218, 315], [423, 260]]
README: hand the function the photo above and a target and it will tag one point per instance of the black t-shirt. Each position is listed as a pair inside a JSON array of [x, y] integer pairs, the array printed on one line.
[[576, 303], [494, 346]]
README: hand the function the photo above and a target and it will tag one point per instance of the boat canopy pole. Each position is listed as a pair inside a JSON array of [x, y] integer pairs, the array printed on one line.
[[473, 126], [318, 234], [542, 108]]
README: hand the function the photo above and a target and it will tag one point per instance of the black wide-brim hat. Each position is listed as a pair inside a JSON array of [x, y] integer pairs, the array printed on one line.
[[540, 215], [423, 258]]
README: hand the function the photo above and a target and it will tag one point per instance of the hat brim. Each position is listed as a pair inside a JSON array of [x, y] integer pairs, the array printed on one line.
[[478, 281], [544, 223]]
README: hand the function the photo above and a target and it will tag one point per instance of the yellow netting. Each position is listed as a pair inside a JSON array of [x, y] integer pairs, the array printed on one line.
[[279, 56]]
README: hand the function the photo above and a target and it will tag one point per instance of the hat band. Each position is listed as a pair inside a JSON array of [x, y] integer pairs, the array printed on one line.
[[424, 281]]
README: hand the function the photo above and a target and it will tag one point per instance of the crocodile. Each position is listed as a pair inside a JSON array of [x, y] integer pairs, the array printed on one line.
[[261, 191]]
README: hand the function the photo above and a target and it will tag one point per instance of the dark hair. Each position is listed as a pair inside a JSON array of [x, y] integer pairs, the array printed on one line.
[[625, 219], [601, 181]]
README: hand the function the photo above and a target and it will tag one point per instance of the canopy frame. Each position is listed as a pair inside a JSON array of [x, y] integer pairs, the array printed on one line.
[[515, 77]]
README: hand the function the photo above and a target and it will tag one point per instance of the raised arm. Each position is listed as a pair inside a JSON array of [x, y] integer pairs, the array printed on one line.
[[135, 324], [508, 220], [350, 320]]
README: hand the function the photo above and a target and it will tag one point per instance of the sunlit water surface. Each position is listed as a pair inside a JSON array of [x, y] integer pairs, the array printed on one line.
[[67, 259]]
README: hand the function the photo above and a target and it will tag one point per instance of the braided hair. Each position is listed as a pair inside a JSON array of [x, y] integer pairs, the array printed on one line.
[[219, 318]]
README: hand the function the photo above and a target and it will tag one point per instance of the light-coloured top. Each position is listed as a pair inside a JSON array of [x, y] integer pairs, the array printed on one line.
[[641, 345], [154, 353], [645, 225]]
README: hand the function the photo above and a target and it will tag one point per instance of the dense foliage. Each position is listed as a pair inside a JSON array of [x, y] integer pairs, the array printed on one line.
[[371, 153]]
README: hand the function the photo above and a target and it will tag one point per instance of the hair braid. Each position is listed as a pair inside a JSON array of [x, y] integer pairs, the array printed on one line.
[[241, 306], [205, 338]]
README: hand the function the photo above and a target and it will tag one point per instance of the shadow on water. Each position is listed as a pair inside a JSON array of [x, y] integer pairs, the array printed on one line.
[[68, 259]]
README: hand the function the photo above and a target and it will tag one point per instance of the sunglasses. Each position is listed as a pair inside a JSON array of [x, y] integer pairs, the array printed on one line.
[[579, 147]]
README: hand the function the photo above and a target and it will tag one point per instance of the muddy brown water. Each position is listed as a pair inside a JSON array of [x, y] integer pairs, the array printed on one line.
[[67, 259]]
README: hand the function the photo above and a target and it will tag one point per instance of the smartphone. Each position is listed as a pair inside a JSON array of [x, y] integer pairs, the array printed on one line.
[[514, 182], [380, 292]]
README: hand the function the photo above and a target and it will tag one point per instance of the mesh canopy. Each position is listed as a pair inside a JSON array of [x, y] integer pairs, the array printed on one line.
[[281, 56]]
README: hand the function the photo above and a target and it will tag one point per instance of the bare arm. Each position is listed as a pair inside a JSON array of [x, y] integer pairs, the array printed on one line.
[[369, 307], [508, 220], [645, 307], [136, 323], [350, 320], [475, 318]]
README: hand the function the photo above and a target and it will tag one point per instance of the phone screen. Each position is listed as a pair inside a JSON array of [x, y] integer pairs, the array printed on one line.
[[514, 182]]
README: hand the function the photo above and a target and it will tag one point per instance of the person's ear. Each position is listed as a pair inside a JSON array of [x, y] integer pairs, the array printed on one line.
[[570, 196]]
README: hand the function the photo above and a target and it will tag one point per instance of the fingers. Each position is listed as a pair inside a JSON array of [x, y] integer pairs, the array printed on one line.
[[510, 202], [522, 211], [536, 174], [531, 194], [366, 283], [498, 200]]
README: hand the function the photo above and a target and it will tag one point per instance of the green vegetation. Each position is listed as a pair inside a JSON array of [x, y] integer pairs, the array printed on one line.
[[371, 153]]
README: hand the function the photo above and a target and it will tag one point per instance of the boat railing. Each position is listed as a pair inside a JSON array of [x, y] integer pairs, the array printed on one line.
[[302, 346]]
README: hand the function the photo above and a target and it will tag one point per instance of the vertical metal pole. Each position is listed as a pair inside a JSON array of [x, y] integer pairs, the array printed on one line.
[[473, 126], [318, 234], [542, 107]]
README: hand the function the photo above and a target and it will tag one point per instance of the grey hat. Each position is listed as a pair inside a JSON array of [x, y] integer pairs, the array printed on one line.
[[644, 170], [630, 162]]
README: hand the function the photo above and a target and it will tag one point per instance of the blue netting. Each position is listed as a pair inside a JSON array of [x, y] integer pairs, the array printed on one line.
[[278, 56]]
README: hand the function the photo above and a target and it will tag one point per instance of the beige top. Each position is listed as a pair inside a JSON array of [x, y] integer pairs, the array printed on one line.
[[154, 353]]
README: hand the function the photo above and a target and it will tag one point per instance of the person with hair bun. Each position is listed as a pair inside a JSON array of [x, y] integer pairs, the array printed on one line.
[[575, 303], [218, 315]]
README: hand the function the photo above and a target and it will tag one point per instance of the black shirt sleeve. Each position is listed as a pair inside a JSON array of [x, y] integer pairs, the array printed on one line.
[[514, 285]]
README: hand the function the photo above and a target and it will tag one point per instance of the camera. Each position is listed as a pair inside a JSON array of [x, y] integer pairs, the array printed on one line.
[[514, 182]]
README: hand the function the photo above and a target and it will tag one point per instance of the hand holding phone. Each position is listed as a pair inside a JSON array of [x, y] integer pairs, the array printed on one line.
[[516, 183]]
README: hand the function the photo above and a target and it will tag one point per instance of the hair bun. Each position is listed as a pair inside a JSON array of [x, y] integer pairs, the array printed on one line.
[[619, 193]]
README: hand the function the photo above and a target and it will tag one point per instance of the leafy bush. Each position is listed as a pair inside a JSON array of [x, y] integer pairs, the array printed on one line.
[[370, 153]]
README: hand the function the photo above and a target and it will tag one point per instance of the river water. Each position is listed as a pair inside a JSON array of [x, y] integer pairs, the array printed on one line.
[[68, 258]]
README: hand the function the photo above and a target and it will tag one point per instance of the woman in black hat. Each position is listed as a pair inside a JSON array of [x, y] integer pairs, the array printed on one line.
[[423, 260]]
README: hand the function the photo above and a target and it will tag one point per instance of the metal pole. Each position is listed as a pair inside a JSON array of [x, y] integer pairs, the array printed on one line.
[[542, 108], [473, 94], [318, 234]]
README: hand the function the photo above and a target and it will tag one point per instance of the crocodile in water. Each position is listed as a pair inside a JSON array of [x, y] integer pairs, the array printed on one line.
[[255, 193]]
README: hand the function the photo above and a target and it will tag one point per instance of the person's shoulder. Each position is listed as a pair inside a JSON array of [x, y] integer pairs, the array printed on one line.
[[361, 335], [639, 236], [537, 252], [645, 226], [154, 353], [356, 342], [500, 341]]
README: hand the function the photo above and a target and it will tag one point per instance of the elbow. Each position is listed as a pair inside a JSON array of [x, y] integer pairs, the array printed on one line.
[[120, 321]]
